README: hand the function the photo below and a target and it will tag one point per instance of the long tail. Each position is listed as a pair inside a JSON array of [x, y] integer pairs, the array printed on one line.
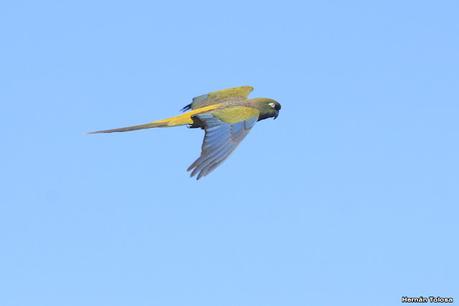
[[183, 119], [133, 128]]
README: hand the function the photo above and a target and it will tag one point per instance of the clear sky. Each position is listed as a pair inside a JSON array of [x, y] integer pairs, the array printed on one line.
[[350, 197]]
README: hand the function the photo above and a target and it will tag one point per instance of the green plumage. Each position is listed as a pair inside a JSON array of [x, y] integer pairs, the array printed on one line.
[[236, 94], [226, 116]]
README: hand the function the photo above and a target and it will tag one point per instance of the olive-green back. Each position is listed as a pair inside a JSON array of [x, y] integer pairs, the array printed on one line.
[[220, 96]]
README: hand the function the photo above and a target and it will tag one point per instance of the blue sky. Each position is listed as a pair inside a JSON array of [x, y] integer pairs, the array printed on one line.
[[349, 198]]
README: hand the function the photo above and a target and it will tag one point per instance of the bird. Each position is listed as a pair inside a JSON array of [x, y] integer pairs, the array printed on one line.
[[226, 116]]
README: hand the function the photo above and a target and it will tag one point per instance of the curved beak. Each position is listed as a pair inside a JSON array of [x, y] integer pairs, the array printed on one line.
[[276, 115]]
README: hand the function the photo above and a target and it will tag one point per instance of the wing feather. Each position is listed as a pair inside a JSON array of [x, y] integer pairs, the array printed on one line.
[[236, 93], [220, 140]]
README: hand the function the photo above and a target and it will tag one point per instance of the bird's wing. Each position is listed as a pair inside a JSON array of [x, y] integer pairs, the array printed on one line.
[[219, 96], [224, 130]]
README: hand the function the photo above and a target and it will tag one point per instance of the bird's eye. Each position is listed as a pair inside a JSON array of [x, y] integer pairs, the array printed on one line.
[[273, 105]]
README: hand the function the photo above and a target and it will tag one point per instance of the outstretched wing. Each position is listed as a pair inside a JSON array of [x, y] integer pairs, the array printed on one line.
[[236, 93], [224, 130]]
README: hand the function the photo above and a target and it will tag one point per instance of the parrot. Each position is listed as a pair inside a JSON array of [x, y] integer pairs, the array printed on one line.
[[226, 116]]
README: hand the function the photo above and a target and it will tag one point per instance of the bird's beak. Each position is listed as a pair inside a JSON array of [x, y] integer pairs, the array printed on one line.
[[275, 116]]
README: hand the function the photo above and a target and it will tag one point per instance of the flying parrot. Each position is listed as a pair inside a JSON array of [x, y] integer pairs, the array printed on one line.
[[226, 116]]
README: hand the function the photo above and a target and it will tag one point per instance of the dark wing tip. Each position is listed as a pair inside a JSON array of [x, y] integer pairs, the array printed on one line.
[[186, 108]]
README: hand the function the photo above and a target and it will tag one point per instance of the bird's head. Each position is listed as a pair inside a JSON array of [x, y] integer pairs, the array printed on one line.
[[268, 107]]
